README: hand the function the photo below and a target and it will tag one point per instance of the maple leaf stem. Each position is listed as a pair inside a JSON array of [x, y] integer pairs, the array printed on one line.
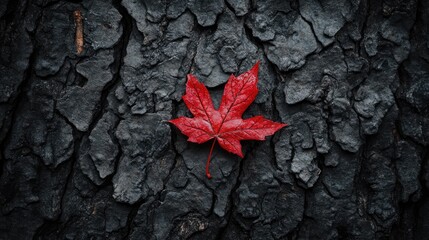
[[208, 160]]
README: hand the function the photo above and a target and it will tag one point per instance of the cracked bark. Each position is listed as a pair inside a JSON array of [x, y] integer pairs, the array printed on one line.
[[86, 151]]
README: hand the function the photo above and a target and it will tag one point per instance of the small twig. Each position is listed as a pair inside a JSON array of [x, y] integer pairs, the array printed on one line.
[[79, 31]]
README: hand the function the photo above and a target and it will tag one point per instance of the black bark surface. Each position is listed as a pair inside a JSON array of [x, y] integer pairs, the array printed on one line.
[[86, 152]]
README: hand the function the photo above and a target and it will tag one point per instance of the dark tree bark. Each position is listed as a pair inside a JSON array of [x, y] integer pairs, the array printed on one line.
[[86, 152]]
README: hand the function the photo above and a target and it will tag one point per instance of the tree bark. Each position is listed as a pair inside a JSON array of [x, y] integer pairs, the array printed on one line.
[[87, 88]]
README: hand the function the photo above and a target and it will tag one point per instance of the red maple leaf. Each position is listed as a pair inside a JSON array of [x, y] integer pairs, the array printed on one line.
[[224, 125]]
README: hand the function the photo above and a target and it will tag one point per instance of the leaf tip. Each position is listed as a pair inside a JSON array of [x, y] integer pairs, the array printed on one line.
[[190, 79], [255, 67], [282, 125]]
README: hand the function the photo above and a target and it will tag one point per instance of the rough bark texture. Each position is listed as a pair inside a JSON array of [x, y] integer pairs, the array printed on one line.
[[86, 152]]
